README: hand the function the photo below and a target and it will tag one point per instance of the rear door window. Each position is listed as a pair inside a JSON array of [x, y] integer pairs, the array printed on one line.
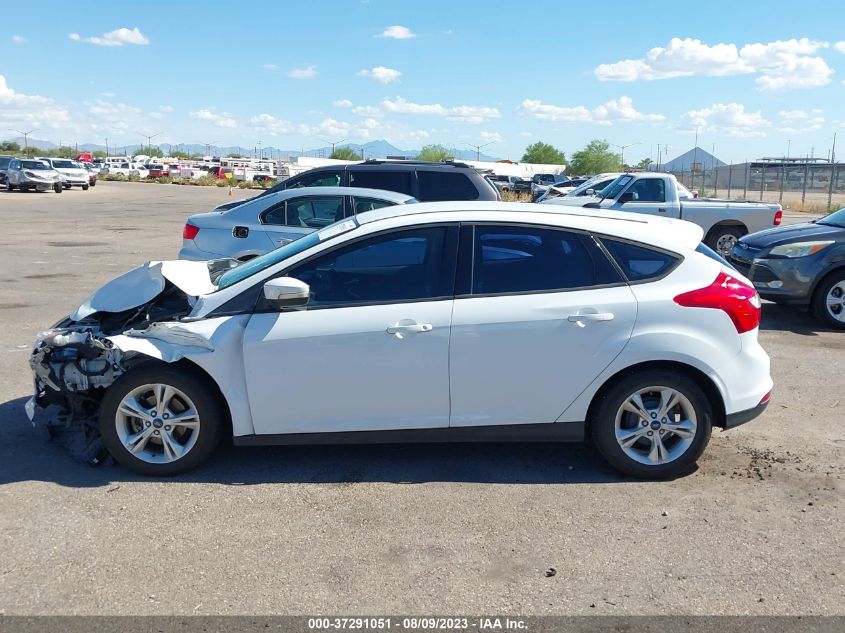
[[390, 180], [440, 185], [362, 205], [640, 263], [314, 212]]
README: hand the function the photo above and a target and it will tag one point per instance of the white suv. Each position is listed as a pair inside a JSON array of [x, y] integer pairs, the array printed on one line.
[[427, 322]]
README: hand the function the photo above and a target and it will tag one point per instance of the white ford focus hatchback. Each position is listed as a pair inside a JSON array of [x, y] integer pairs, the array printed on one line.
[[430, 322]]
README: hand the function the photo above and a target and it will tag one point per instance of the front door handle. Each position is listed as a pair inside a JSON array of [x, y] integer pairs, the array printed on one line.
[[661, 210], [404, 327], [591, 316]]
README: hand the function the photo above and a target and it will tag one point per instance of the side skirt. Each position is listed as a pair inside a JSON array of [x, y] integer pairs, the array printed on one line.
[[553, 432]]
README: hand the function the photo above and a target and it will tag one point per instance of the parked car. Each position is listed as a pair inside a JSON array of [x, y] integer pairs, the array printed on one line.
[[588, 187], [93, 167], [267, 222], [507, 184], [425, 181], [800, 264], [32, 175], [4, 165], [221, 173], [431, 322], [93, 172], [155, 170], [262, 178], [540, 183], [73, 174], [723, 221]]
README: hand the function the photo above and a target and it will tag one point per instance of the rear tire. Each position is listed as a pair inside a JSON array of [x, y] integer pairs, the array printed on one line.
[[829, 300], [723, 238], [160, 394], [647, 441], [84, 187], [58, 188], [9, 186]]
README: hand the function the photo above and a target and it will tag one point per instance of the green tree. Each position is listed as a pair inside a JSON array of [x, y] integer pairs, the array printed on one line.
[[10, 147], [235, 155], [345, 153], [180, 155], [151, 151], [595, 158], [644, 163], [98, 153], [435, 153], [544, 154]]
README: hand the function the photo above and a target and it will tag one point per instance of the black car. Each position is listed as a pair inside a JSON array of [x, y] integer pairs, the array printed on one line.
[[4, 165], [425, 181], [799, 264]]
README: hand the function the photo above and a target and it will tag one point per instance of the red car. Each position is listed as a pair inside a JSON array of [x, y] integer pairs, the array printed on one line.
[[156, 171], [221, 172]]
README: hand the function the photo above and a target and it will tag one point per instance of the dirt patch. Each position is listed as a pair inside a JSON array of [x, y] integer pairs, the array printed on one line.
[[11, 306], [49, 276], [762, 461]]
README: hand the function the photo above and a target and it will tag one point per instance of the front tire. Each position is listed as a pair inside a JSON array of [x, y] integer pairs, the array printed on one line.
[[160, 420], [654, 424], [829, 300], [84, 187], [58, 188], [9, 186]]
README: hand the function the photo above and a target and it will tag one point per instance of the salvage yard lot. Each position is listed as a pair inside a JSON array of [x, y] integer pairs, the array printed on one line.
[[428, 529]]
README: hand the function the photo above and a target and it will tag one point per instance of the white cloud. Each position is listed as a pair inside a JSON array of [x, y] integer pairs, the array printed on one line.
[[382, 74], [165, 108], [463, 113], [342, 103], [308, 72], [397, 33], [612, 111], [17, 109], [115, 115], [800, 121], [840, 46], [222, 119], [368, 111], [107, 95], [730, 119], [490, 137], [270, 67], [118, 37], [271, 124], [793, 114], [18, 39], [781, 64]]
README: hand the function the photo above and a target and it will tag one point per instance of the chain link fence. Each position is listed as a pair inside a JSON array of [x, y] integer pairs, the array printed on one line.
[[805, 187]]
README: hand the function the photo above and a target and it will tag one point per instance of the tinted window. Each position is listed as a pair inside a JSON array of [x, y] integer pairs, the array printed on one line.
[[393, 180], [638, 262], [649, 190], [318, 179], [314, 212], [440, 185], [274, 215], [399, 266], [4, 162], [528, 259], [361, 205]]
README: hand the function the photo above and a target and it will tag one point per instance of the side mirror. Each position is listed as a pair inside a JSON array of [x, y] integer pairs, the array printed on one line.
[[628, 196], [286, 292], [590, 192]]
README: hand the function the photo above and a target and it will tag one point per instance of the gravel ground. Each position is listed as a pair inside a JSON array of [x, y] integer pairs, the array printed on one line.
[[757, 529]]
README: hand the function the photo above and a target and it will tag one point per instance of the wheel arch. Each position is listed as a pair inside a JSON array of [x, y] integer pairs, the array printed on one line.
[[721, 224], [701, 379], [838, 267]]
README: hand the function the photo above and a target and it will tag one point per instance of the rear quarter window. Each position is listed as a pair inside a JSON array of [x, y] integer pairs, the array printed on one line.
[[391, 180], [640, 263], [437, 185]]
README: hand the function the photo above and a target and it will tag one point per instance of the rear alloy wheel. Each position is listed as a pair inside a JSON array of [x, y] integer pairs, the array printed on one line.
[[829, 300], [722, 239], [157, 420], [654, 424]]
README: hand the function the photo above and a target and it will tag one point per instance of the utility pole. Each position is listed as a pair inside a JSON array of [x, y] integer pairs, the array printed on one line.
[[25, 139], [694, 160], [478, 149], [107, 147], [150, 138], [832, 172], [332, 143], [622, 151]]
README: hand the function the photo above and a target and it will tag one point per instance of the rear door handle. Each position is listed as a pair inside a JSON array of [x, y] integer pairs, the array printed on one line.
[[400, 330], [591, 316]]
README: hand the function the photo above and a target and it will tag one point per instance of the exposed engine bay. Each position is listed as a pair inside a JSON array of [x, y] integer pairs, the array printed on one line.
[[74, 362]]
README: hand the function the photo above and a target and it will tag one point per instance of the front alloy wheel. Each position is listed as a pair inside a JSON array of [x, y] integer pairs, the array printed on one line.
[[653, 424], [160, 420], [829, 302]]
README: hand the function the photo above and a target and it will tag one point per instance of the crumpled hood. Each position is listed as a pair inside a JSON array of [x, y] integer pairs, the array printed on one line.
[[142, 284], [574, 201]]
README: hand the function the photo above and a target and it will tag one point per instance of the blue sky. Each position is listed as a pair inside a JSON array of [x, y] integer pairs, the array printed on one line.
[[750, 79]]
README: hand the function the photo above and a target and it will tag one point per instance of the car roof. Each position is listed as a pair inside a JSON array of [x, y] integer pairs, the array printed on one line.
[[360, 192], [397, 165], [662, 232]]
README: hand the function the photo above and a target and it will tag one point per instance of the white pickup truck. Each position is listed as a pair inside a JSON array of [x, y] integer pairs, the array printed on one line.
[[723, 221]]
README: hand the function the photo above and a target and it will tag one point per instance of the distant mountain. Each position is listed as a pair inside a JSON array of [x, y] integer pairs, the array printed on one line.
[[372, 149]]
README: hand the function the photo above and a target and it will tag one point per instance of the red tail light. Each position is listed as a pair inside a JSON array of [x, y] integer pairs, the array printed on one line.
[[190, 231], [778, 217], [737, 299]]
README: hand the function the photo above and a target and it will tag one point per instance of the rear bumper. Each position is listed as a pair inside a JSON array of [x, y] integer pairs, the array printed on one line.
[[733, 420], [190, 251]]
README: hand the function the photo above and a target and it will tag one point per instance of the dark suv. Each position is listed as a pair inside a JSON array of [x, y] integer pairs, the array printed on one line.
[[4, 165], [425, 181]]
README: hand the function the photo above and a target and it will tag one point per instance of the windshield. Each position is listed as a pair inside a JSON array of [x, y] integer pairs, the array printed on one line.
[[613, 189], [837, 218], [64, 164], [262, 262], [33, 164]]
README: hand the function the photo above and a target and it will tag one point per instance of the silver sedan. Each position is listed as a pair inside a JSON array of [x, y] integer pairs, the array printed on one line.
[[264, 223]]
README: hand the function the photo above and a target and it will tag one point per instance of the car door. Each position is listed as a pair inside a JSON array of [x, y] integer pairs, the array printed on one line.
[[292, 218], [370, 351], [539, 313], [649, 196]]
